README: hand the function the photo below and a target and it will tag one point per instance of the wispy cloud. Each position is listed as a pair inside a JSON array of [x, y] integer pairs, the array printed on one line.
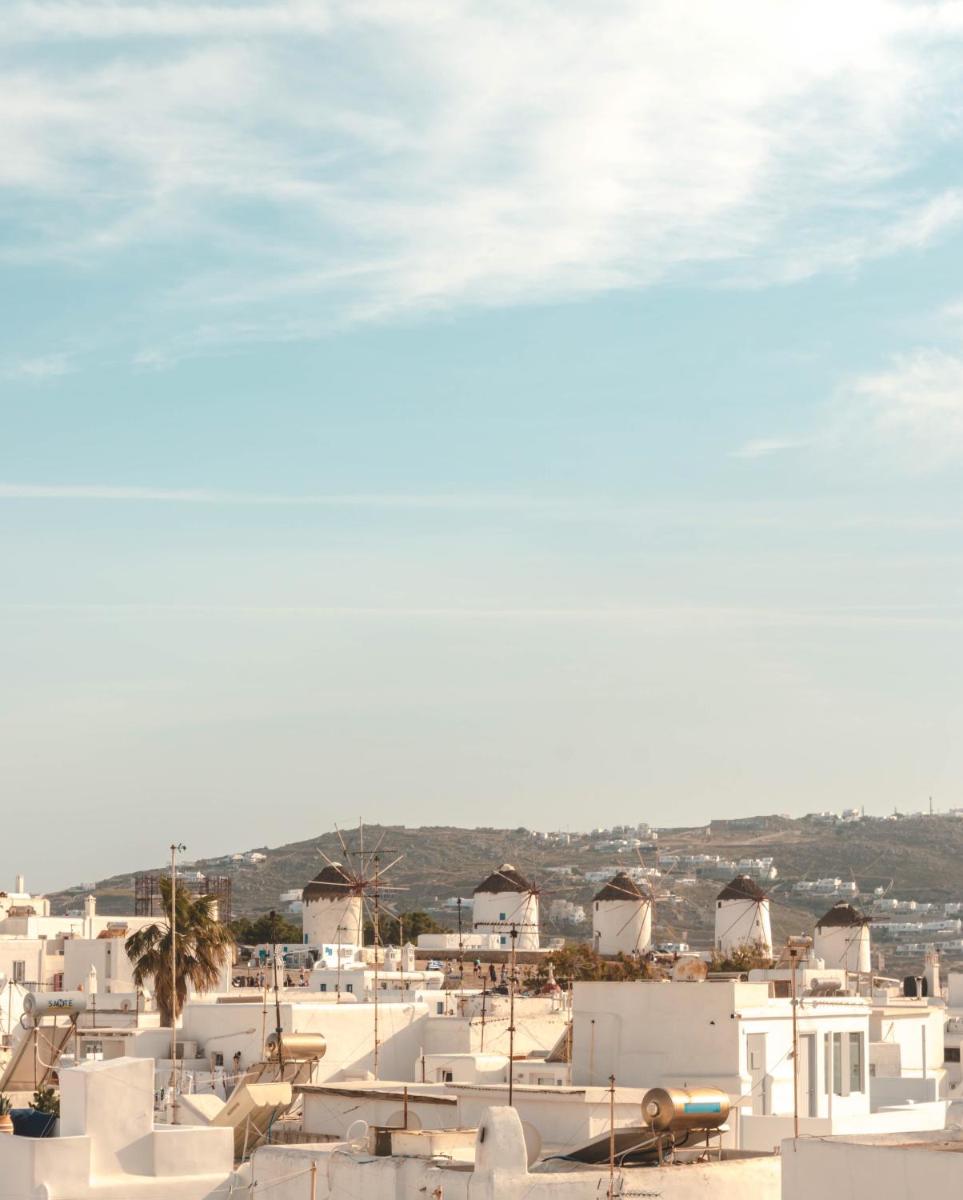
[[37, 370], [657, 618], [494, 154], [442, 501], [763, 447], [914, 408], [105, 20]]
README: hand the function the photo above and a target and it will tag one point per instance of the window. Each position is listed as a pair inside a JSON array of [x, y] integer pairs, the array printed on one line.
[[19, 970], [218, 1059], [856, 1062], [324, 987], [440, 1007], [837, 1064], [502, 917], [447, 1076], [952, 1054]]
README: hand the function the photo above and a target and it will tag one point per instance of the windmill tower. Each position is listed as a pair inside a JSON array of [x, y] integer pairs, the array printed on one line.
[[842, 939], [742, 917], [357, 893], [503, 900], [333, 911], [622, 917]]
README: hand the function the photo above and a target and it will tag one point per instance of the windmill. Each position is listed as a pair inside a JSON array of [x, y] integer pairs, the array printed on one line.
[[361, 879]]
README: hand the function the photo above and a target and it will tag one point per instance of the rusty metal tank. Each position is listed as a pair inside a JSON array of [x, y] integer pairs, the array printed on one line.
[[299, 1047], [676, 1109]]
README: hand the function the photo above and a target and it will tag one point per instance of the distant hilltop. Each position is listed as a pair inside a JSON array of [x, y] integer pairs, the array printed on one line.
[[907, 864]]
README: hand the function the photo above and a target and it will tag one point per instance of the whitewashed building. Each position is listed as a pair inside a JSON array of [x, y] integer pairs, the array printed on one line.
[[503, 901], [742, 917], [622, 917], [842, 939], [332, 911]]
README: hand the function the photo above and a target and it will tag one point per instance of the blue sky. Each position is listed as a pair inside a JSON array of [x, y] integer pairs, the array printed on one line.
[[474, 413]]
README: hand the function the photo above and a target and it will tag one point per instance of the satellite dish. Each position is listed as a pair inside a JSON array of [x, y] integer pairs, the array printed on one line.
[[533, 1141], [397, 1120], [357, 1135]]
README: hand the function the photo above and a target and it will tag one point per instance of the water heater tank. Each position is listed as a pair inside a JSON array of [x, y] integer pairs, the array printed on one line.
[[54, 1004], [677, 1110], [298, 1046]]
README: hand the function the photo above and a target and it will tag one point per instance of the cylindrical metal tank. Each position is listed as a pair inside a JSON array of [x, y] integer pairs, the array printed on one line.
[[676, 1109], [54, 1004], [300, 1046]]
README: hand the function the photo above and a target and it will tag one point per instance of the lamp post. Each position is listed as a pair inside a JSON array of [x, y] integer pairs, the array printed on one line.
[[176, 848]]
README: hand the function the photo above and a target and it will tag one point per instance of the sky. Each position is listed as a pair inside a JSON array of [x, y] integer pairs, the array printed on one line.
[[527, 413]]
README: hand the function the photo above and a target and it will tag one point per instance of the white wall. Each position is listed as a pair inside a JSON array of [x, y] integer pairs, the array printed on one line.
[[115, 971], [742, 923], [697, 1034], [41, 958], [917, 1029], [853, 1171], [332, 920], [496, 912], [622, 926], [846, 947], [348, 1030]]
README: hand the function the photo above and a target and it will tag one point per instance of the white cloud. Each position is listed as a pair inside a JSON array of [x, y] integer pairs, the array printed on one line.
[[369, 158], [102, 20], [37, 370], [914, 408], [763, 447], [442, 501]]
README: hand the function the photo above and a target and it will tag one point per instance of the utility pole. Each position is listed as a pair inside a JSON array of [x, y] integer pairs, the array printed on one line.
[[176, 847], [377, 943], [461, 951], [794, 945], [277, 1000], [511, 1020], [611, 1191]]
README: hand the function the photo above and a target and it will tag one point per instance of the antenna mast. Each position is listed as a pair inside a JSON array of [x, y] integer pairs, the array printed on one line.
[[511, 1019], [377, 944], [277, 999]]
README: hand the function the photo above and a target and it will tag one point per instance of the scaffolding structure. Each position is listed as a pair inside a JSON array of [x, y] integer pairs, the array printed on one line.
[[147, 894]]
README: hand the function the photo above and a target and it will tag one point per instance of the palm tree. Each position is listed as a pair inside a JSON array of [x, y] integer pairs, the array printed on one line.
[[203, 945]]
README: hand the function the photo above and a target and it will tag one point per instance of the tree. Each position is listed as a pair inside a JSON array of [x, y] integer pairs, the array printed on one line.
[[413, 923], [581, 961], [261, 930], [746, 957], [202, 945]]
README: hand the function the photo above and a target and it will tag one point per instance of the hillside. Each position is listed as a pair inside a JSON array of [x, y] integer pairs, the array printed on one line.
[[913, 858]]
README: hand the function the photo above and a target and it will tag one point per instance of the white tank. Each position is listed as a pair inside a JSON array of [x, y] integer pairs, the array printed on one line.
[[622, 917], [742, 917], [842, 940], [332, 911], [503, 900]]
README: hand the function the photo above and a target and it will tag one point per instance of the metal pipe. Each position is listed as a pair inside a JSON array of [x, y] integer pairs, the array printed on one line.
[[511, 1021]]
